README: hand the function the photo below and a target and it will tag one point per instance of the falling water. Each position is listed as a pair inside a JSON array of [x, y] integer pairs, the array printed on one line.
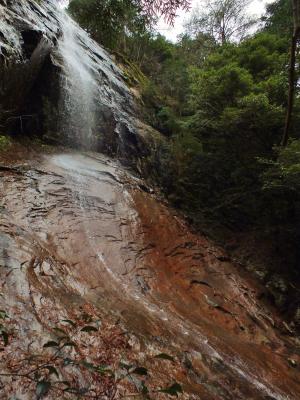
[[97, 109], [79, 87]]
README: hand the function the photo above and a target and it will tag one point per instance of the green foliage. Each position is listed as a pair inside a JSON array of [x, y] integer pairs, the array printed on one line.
[[166, 121], [234, 115], [172, 390], [263, 55], [194, 51], [89, 328], [110, 22], [4, 335], [3, 330], [51, 343], [278, 18], [165, 93], [140, 371], [42, 388], [68, 321], [165, 356], [155, 52], [213, 89], [283, 173], [48, 369]]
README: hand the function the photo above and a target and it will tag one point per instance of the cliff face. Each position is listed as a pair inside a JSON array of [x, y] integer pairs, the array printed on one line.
[[27, 36], [38, 94]]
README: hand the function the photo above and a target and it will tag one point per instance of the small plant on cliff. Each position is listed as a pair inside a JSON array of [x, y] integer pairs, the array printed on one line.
[[61, 366], [3, 330]]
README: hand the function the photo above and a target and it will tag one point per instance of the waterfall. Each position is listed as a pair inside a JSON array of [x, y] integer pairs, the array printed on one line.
[[97, 110], [79, 87], [96, 107], [81, 96]]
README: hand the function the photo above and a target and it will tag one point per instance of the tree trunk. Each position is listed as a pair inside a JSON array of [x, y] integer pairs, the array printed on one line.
[[223, 34], [292, 83], [292, 78]]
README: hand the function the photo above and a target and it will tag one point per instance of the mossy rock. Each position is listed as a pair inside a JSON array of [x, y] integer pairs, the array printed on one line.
[[132, 73]]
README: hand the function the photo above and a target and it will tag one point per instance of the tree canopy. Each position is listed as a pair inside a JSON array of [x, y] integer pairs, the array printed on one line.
[[224, 20], [110, 21]]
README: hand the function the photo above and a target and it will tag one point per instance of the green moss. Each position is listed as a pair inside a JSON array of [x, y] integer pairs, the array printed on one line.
[[5, 143], [132, 73]]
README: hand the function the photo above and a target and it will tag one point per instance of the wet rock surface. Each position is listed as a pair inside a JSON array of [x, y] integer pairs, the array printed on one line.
[[27, 36], [43, 57], [80, 240]]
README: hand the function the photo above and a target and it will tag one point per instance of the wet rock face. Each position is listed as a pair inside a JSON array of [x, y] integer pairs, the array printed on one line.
[[79, 238], [27, 36], [31, 39], [35, 72]]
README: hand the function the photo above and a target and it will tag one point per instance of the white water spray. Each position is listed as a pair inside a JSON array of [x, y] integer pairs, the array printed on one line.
[[96, 108], [79, 87]]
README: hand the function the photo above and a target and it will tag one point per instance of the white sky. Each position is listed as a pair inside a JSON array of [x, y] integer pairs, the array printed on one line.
[[256, 8], [64, 3]]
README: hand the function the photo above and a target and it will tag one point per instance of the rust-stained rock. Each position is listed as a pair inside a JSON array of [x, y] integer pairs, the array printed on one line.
[[82, 244]]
